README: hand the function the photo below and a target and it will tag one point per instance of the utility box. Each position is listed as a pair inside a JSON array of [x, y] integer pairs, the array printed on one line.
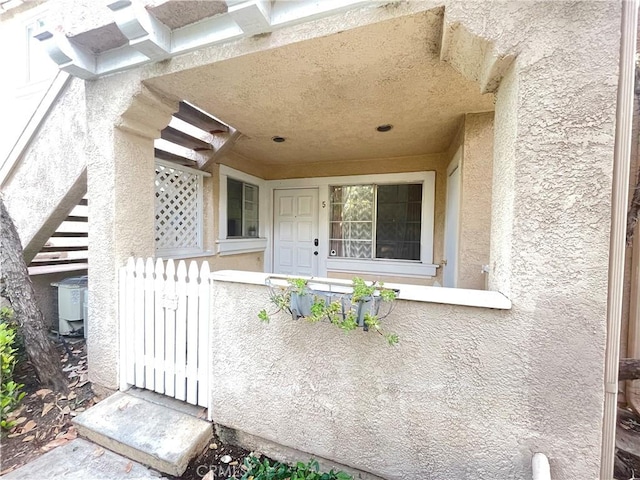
[[71, 305]]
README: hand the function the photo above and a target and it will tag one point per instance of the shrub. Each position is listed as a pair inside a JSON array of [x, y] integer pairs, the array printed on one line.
[[258, 469], [10, 394]]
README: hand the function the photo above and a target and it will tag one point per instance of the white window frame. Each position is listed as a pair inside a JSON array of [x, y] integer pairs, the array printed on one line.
[[186, 251], [401, 268], [238, 245], [27, 81], [243, 201]]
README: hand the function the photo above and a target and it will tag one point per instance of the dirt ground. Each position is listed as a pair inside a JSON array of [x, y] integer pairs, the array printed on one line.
[[43, 420]]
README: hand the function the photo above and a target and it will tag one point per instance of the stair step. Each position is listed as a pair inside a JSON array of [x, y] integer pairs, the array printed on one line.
[[76, 218], [172, 157], [200, 119], [65, 248], [148, 432], [54, 261], [69, 234], [183, 139]]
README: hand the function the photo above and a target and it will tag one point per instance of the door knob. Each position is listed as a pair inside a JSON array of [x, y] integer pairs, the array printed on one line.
[[315, 253]]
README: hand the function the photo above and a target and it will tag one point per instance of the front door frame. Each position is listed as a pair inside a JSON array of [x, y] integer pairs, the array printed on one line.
[[315, 259], [426, 268]]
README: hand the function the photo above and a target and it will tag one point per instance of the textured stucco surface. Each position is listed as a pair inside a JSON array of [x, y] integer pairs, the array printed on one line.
[[450, 401], [327, 105], [121, 188], [58, 147], [475, 200]]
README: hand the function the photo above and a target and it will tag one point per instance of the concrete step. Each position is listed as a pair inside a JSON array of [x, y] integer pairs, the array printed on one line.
[[149, 428], [81, 460]]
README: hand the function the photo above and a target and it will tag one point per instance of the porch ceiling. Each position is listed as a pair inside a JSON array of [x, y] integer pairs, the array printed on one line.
[[326, 96]]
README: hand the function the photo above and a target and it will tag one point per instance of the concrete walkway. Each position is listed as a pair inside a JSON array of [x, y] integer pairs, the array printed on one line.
[[81, 460]]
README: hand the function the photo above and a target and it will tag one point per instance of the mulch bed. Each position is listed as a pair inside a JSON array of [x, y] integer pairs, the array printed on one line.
[[43, 419]]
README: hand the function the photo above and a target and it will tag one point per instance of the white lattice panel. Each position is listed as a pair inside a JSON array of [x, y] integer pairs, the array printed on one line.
[[178, 209]]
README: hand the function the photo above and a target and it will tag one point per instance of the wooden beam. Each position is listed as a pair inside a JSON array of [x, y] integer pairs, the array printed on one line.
[[183, 139], [63, 261], [70, 235], [200, 119], [70, 248], [172, 157], [76, 218]]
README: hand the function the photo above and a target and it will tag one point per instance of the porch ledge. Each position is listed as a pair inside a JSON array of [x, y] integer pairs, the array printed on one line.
[[415, 293], [235, 246]]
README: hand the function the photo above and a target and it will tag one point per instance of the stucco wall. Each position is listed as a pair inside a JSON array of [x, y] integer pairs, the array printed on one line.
[[451, 400], [54, 166], [475, 200]]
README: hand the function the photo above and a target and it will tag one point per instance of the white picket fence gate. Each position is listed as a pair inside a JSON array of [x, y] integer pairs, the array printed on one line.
[[165, 328]]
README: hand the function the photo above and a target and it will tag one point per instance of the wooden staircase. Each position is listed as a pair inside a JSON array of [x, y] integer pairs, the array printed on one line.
[[194, 138], [68, 249]]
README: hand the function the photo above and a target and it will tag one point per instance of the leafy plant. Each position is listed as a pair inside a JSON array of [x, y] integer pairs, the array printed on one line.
[[10, 391], [257, 469], [346, 311]]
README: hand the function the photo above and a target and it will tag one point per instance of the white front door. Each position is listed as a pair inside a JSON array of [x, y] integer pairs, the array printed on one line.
[[451, 221], [295, 236]]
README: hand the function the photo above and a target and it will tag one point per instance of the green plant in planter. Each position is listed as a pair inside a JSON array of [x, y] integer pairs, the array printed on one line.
[[347, 311]]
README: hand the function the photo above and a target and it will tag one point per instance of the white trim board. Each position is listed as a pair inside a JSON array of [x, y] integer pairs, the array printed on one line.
[[415, 293], [230, 246]]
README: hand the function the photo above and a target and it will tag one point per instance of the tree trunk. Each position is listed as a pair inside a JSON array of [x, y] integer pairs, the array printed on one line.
[[629, 369], [16, 287]]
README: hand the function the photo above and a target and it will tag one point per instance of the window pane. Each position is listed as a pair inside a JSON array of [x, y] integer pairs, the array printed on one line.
[[350, 249], [398, 221], [234, 208], [39, 64], [250, 213], [351, 227]]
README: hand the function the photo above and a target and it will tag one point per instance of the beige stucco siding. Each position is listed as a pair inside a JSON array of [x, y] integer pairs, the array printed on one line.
[[475, 201], [447, 402]]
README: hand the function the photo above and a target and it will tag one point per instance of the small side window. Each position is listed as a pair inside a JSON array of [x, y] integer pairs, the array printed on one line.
[[242, 209]]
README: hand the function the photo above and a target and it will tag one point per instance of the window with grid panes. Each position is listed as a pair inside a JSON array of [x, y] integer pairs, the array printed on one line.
[[376, 221]]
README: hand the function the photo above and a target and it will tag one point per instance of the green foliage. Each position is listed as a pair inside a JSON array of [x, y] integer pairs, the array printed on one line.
[[10, 394], [258, 469], [342, 312], [298, 285]]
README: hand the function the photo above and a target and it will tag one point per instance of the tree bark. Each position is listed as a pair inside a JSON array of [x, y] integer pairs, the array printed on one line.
[[634, 206], [629, 369], [16, 287]]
